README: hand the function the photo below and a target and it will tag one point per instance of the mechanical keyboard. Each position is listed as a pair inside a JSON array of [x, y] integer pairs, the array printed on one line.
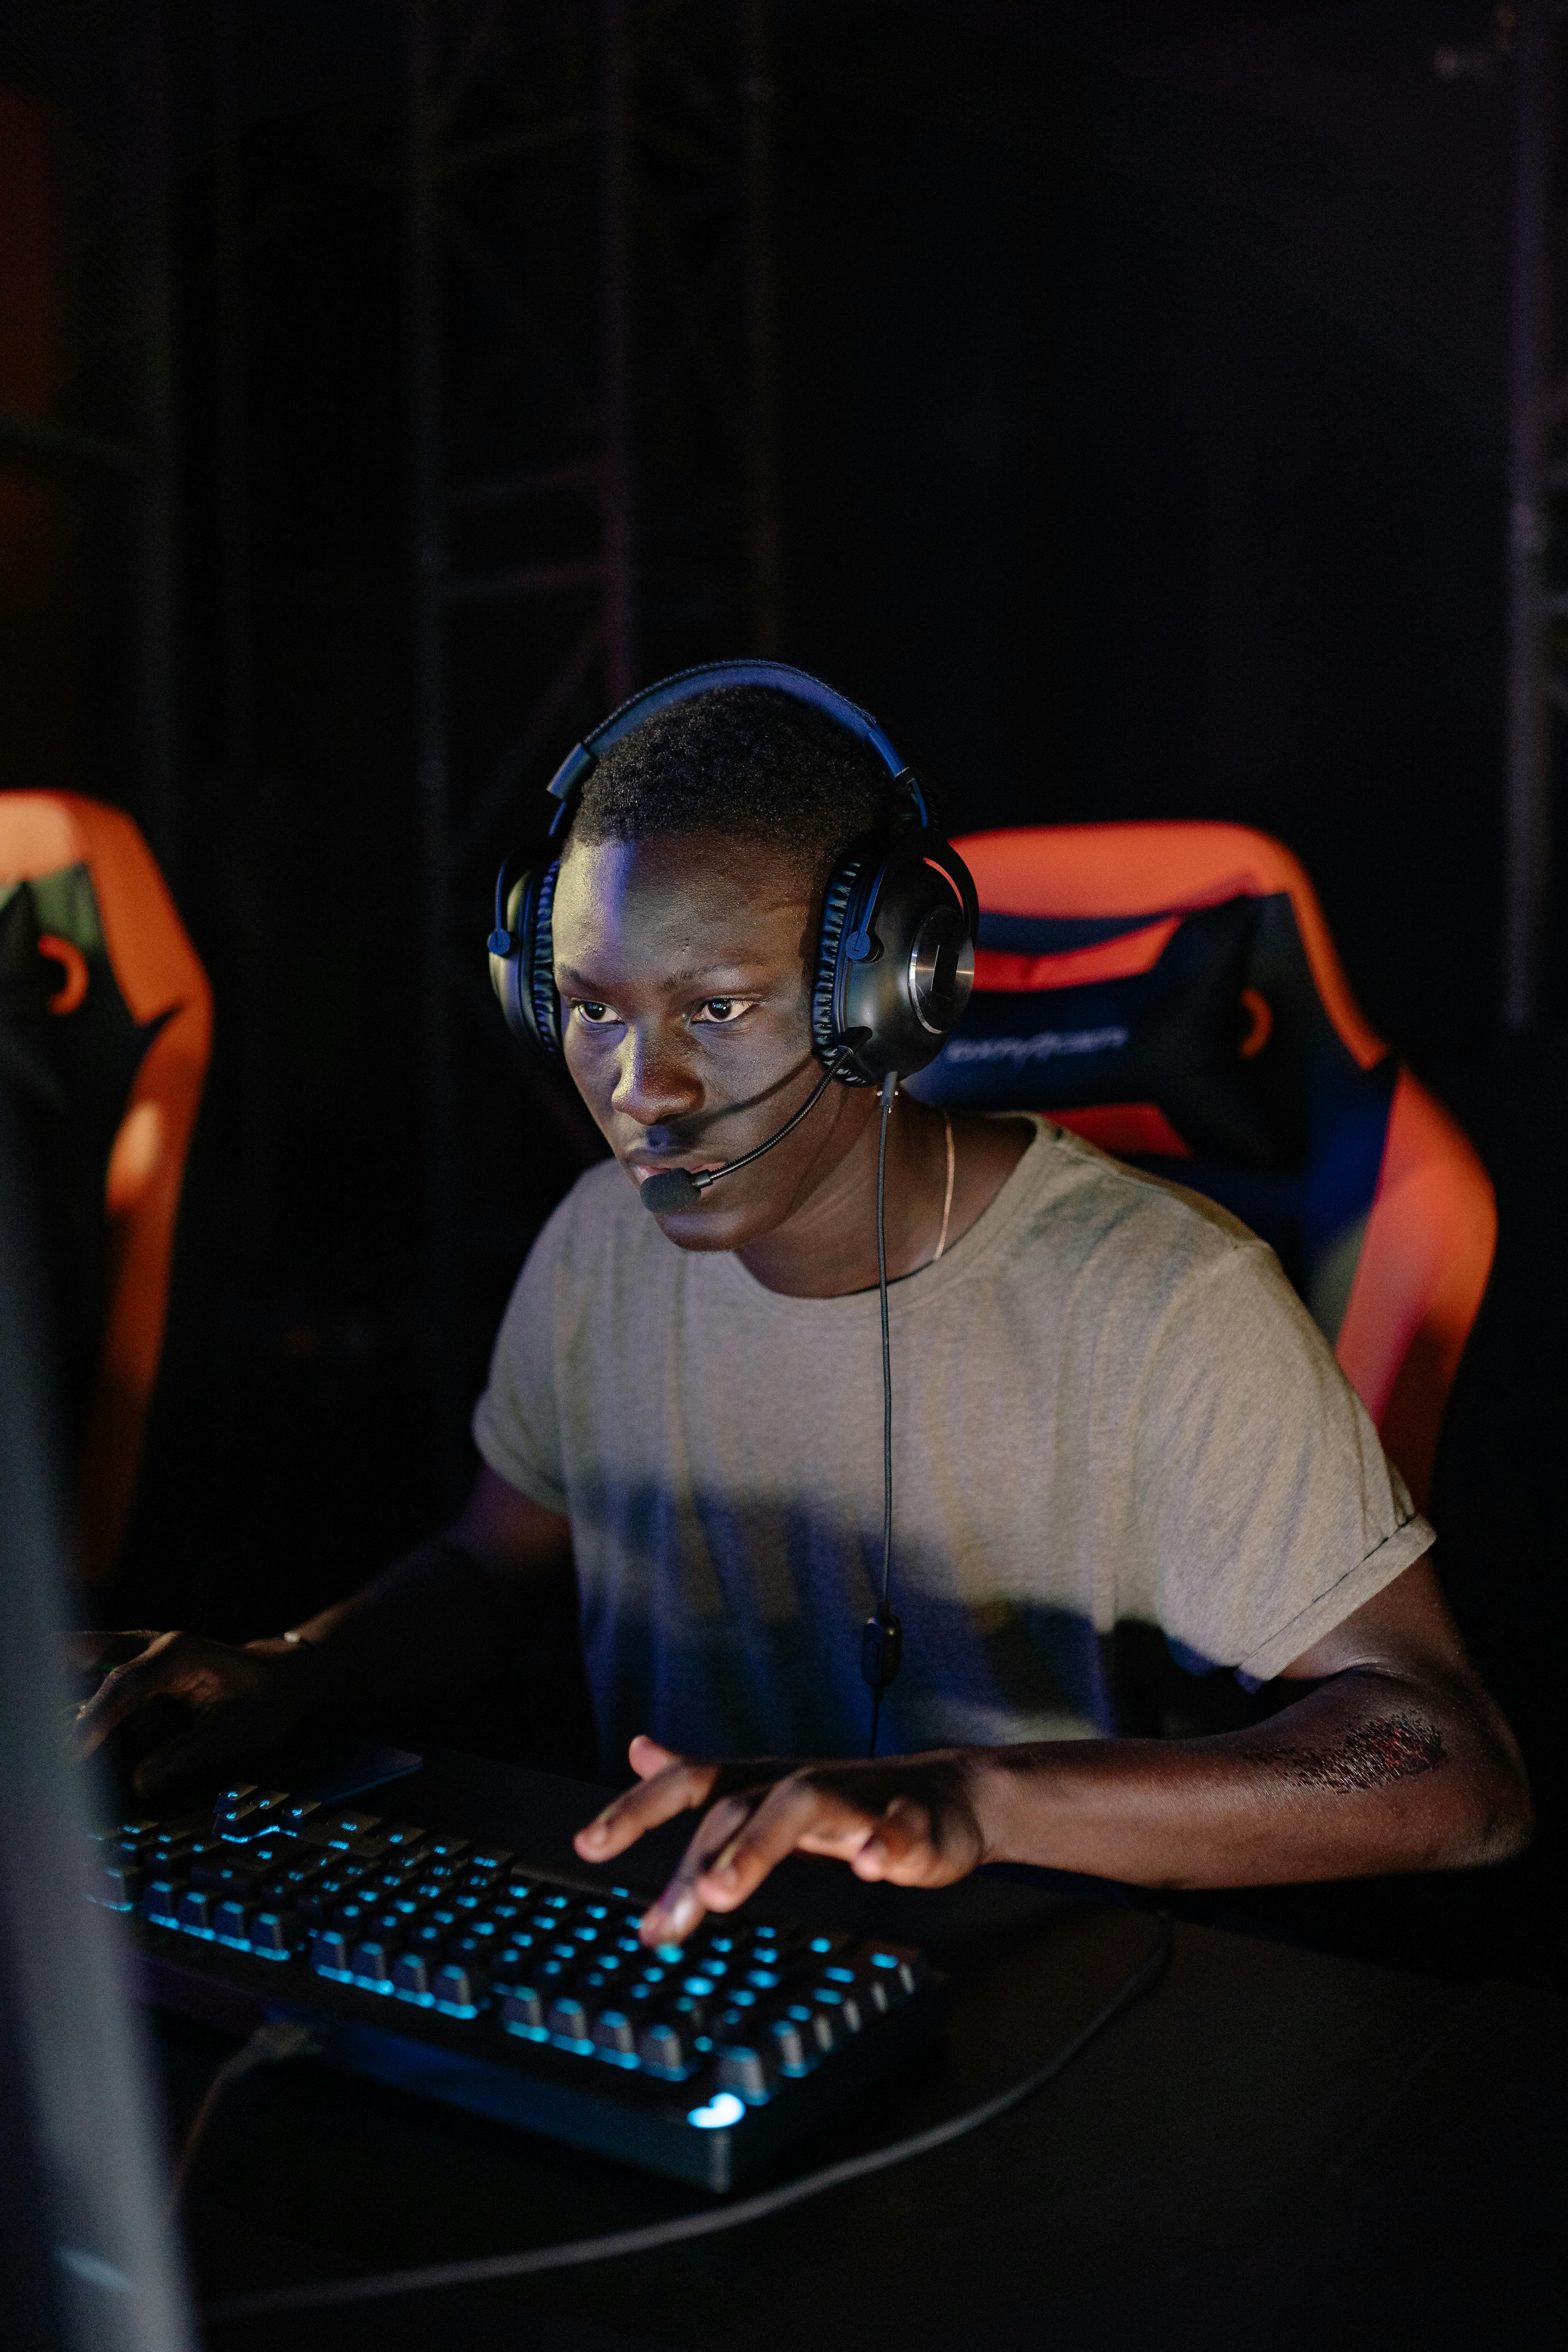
[[444, 1966]]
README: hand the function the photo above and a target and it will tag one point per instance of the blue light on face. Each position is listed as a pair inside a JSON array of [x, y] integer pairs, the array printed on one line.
[[722, 2109]]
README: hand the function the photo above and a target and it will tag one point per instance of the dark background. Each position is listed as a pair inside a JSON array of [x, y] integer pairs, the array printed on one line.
[[1143, 401]]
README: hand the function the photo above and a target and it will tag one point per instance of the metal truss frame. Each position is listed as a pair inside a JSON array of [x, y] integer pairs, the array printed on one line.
[[594, 424]]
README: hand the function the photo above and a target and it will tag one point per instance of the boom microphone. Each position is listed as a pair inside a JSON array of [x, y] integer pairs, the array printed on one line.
[[678, 1188]]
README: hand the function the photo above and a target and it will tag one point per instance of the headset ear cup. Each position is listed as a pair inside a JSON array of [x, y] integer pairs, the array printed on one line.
[[904, 997], [524, 980], [837, 902], [543, 1004], [507, 970]]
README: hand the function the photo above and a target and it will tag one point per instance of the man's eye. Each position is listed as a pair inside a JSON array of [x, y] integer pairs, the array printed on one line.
[[591, 1009], [723, 1012]]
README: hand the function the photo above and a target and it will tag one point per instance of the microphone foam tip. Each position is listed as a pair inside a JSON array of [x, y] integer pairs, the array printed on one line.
[[670, 1190]]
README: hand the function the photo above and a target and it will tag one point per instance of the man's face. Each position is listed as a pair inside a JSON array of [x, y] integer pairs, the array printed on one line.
[[681, 966]]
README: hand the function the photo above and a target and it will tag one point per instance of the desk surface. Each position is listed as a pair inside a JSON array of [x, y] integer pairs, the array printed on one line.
[[1273, 2146]]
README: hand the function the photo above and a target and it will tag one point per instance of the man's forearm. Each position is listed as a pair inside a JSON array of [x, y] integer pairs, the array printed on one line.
[[1365, 1774], [423, 1629], [431, 1624]]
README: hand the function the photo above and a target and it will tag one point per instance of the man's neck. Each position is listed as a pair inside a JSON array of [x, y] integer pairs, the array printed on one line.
[[827, 1247]]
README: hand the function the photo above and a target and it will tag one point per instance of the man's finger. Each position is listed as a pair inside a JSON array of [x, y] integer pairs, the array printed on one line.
[[123, 1690], [646, 1757], [677, 1789], [97, 1653], [677, 1910], [901, 1847], [799, 1813]]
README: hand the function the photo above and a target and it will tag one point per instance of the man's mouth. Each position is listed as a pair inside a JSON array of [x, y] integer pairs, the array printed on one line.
[[643, 1168]]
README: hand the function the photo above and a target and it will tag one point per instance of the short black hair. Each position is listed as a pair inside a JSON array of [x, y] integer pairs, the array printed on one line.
[[750, 761]]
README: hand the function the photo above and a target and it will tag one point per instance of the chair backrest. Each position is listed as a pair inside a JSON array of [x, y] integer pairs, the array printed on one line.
[[1171, 992], [105, 1032]]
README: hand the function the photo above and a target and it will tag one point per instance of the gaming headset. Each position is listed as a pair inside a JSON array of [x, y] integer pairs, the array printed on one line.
[[893, 971], [895, 957]]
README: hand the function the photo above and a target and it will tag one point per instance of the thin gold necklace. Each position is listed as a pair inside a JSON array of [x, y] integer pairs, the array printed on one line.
[[947, 1196]]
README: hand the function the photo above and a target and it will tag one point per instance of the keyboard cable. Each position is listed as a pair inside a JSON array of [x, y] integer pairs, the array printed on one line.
[[377, 2286], [269, 2045]]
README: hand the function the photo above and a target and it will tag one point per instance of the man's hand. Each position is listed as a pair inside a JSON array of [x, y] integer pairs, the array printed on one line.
[[914, 1820], [240, 1700], [1393, 1757]]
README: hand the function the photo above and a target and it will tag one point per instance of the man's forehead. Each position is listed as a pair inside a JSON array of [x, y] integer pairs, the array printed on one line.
[[680, 914], [695, 883]]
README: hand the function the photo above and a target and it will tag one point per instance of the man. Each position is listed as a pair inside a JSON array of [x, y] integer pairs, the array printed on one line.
[[1111, 1411]]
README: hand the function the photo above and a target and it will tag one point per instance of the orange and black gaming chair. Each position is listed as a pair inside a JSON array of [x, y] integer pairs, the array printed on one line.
[[105, 1031], [1171, 992]]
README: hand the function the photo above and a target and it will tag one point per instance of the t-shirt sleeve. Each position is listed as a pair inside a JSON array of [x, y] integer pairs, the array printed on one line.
[[1265, 1509], [516, 1421]]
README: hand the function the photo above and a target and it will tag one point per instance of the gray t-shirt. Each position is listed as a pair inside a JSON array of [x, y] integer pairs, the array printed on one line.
[[1109, 1408]]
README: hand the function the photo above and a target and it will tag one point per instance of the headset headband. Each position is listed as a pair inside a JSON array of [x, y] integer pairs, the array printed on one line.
[[579, 764]]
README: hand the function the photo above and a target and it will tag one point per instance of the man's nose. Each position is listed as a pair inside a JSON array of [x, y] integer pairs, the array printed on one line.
[[655, 1084]]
